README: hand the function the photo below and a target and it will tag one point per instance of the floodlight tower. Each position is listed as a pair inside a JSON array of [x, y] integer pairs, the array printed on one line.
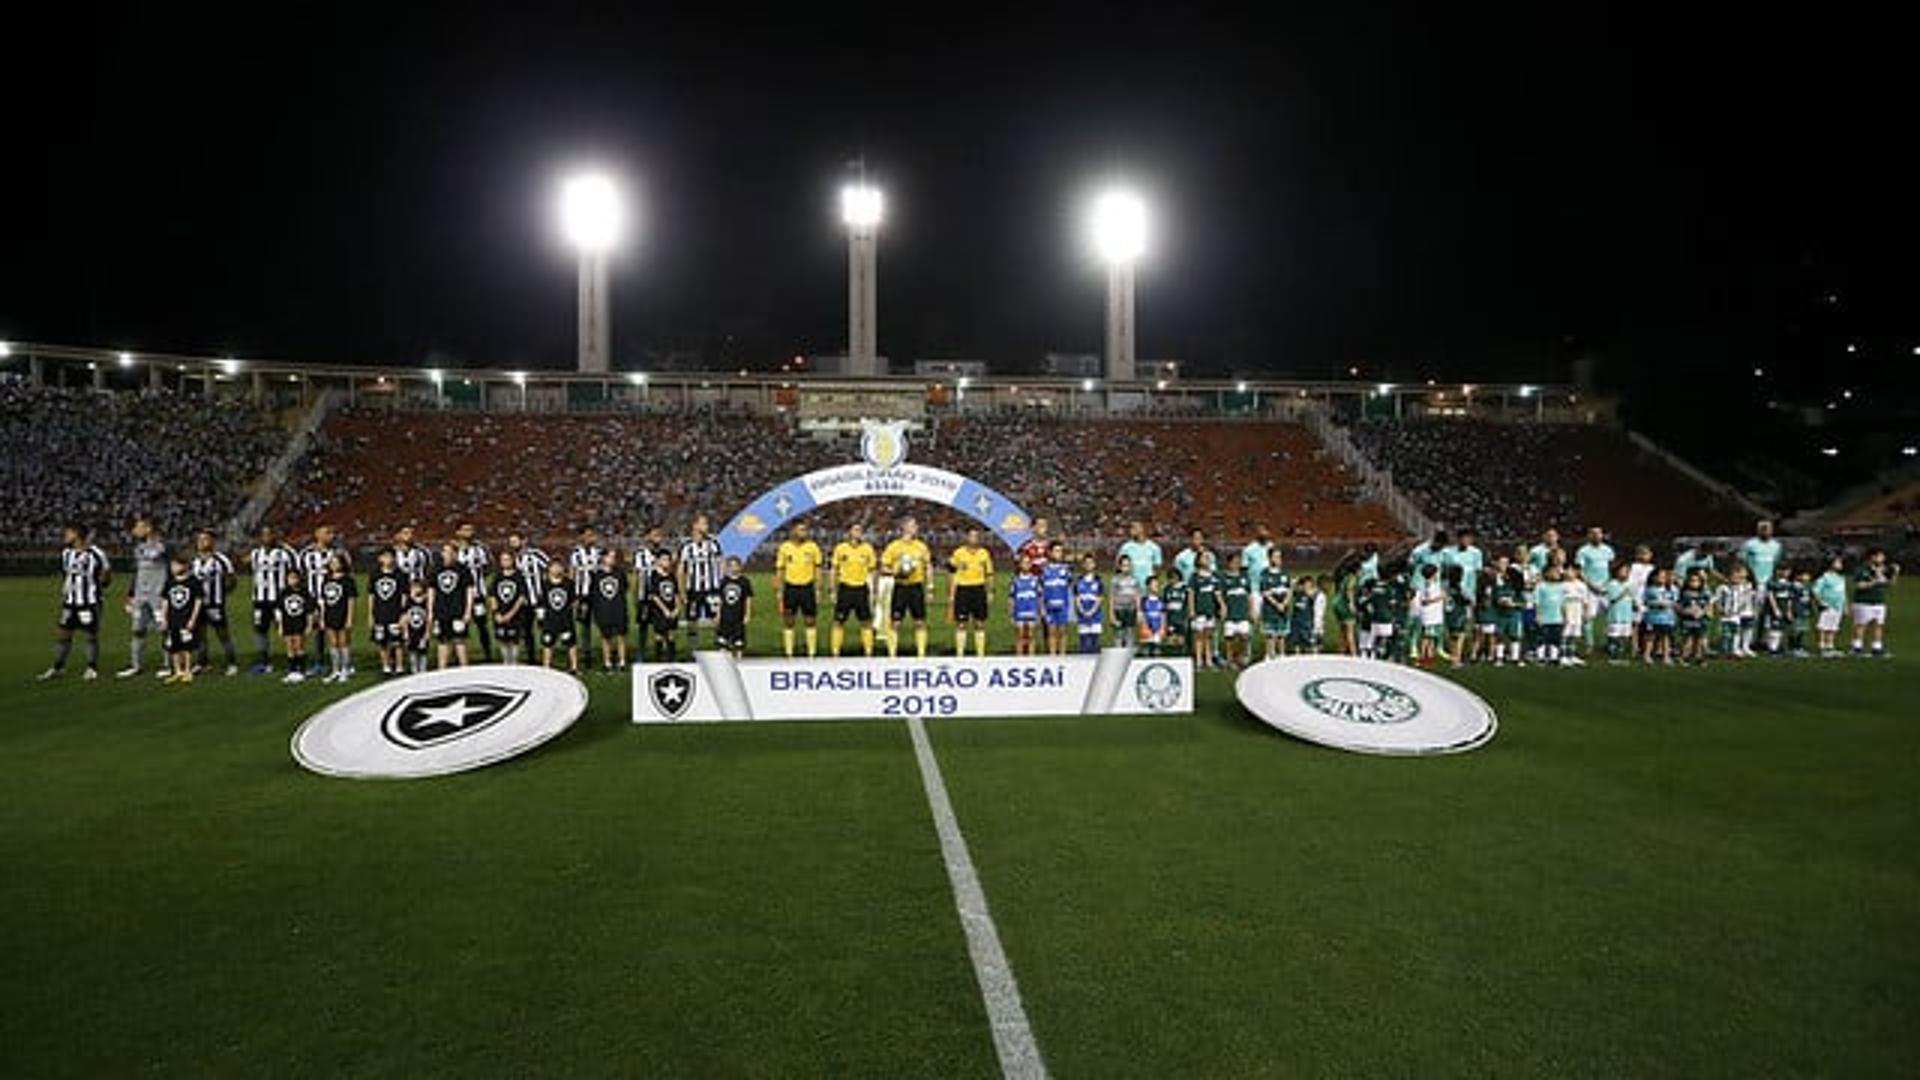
[[591, 217], [861, 209], [1119, 227]]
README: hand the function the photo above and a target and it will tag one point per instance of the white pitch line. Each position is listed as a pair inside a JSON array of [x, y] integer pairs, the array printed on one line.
[[1012, 1034]]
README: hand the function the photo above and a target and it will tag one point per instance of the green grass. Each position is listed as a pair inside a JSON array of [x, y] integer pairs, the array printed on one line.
[[1666, 872]]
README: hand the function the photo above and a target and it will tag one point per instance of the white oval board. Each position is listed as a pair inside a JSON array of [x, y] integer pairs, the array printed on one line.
[[1368, 706], [439, 722]]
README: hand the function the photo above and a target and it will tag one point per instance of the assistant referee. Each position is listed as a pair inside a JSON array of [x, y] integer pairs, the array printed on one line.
[[798, 567], [967, 593], [853, 566]]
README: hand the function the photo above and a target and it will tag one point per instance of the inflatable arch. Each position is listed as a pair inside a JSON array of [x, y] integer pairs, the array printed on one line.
[[884, 474]]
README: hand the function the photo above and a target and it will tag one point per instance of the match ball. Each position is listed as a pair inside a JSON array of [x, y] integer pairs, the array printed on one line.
[[907, 563]]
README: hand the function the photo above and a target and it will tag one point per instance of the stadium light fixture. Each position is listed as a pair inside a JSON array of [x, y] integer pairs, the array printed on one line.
[[862, 207], [1852, 348], [230, 366], [1118, 222], [1526, 391], [519, 378], [1160, 384], [436, 376], [126, 359], [1847, 394], [591, 213], [6, 350], [592, 217], [1240, 387], [1830, 451], [1086, 386], [966, 381], [1910, 451], [1386, 388], [1758, 372], [638, 378]]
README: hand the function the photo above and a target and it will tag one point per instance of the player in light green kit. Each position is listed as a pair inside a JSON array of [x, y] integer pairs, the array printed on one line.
[[1549, 613], [1622, 613], [1830, 597]]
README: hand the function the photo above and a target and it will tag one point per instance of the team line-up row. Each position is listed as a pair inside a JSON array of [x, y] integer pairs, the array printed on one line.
[[1441, 601]]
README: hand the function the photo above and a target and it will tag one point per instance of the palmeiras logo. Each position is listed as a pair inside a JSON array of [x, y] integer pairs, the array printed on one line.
[[1157, 687], [883, 445], [671, 691], [1360, 701], [421, 721]]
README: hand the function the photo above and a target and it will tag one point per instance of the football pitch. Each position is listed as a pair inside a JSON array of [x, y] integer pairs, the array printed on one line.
[[1648, 872]]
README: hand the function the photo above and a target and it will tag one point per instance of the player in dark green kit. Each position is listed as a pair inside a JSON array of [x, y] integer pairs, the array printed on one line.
[[1175, 596], [1236, 597], [1694, 604]]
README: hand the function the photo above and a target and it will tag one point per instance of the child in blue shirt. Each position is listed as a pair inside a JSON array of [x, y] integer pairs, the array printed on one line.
[[1089, 604]]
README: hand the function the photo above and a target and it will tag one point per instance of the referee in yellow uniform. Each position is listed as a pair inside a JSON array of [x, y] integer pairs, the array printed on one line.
[[852, 569], [798, 567], [910, 563], [967, 593]]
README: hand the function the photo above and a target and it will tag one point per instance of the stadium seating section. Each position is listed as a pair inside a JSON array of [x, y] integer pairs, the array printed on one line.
[[373, 470], [1510, 480], [101, 458]]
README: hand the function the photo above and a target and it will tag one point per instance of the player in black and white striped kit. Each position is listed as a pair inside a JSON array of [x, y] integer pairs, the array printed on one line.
[[409, 558], [473, 555], [584, 563], [271, 561], [701, 568], [645, 556], [314, 560], [85, 573], [531, 562], [214, 571]]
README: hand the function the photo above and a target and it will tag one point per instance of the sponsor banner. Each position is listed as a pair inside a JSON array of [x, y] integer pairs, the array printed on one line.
[[1367, 706], [439, 722], [716, 686]]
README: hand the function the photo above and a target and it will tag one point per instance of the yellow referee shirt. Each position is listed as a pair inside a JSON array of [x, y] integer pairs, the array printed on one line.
[[798, 564], [852, 563], [971, 565], [907, 560]]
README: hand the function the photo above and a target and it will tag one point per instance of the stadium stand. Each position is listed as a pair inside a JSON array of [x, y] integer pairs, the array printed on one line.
[[100, 459], [373, 470], [1509, 480]]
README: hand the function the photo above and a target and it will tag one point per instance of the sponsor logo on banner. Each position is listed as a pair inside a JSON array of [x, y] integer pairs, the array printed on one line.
[[717, 686], [439, 722], [1366, 706]]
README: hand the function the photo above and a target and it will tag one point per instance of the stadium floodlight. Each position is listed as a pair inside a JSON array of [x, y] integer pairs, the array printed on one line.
[[1852, 348], [966, 381], [230, 366], [1160, 384], [1526, 391], [862, 207], [1830, 451], [1117, 226], [6, 350], [1386, 388], [1086, 386], [125, 358], [591, 213], [593, 217], [1910, 451], [519, 378], [637, 378], [1240, 387]]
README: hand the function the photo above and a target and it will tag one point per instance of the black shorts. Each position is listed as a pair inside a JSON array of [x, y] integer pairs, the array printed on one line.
[[799, 600], [611, 625], [553, 638], [854, 600], [80, 617], [385, 634], [910, 600], [443, 630], [970, 603], [663, 624], [702, 605], [507, 632], [179, 638], [732, 636], [265, 614], [335, 620], [213, 615]]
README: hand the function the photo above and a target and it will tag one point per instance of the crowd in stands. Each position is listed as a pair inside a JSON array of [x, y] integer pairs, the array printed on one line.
[[370, 471], [1493, 476], [98, 459]]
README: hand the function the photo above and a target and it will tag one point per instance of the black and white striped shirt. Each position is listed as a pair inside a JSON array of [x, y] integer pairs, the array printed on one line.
[[86, 570], [532, 564], [585, 563], [643, 559], [413, 561], [314, 560], [215, 571], [701, 564], [478, 563], [270, 565]]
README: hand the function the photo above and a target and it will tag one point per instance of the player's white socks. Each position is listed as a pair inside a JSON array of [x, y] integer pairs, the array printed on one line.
[[1366, 643]]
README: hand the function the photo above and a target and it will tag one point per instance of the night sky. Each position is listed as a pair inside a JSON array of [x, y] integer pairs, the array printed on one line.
[[1490, 194]]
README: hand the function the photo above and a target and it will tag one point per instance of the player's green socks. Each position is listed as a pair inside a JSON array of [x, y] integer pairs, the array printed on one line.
[[866, 640], [920, 641], [813, 641], [786, 640], [980, 643]]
